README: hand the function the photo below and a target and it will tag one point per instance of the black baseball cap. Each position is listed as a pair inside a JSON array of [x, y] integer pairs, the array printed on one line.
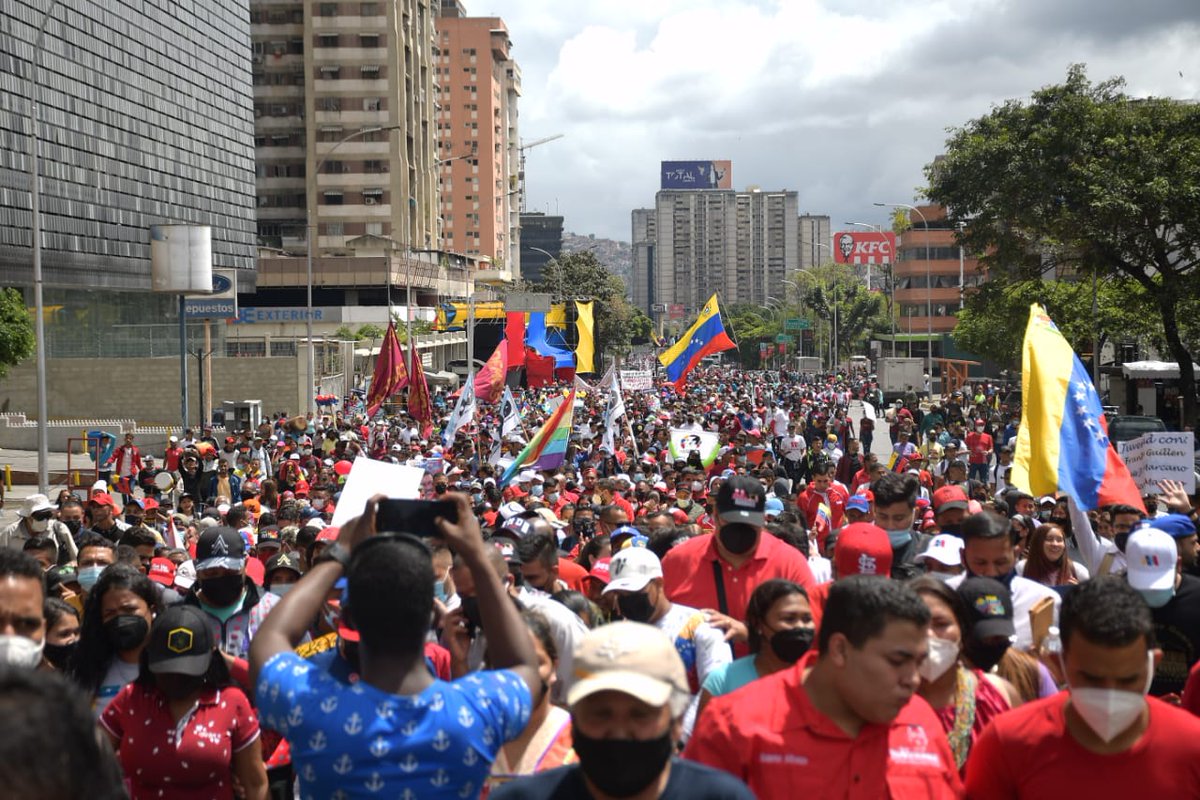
[[989, 607], [742, 499], [220, 546], [180, 642], [283, 561]]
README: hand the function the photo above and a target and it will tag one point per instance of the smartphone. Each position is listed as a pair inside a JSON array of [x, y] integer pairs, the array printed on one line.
[[413, 516]]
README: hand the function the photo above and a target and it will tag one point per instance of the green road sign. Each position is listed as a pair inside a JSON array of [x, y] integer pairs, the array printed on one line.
[[783, 338], [795, 324]]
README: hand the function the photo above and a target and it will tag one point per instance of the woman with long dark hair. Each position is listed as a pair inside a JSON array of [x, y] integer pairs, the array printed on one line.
[[1048, 562], [116, 623], [182, 729], [779, 630]]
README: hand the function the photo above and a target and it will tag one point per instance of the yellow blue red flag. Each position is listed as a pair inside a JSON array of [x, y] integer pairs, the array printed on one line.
[[705, 337], [1062, 444]]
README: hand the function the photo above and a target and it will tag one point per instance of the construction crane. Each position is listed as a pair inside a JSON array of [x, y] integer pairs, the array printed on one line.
[[521, 166]]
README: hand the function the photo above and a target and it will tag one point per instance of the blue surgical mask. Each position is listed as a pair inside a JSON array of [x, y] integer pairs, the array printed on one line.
[[88, 576], [280, 589], [899, 538], [536, 490], [1157, 598]]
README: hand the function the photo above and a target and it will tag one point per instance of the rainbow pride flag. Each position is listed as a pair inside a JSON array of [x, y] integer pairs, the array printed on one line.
[[548, 447]]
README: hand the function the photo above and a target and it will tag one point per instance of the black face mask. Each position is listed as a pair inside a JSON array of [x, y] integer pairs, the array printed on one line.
[[639, 762], [791, 644], [60, 655], [126, 631], [635, 607], [984, 655], [73, 525], [737, 537], [223, 591], [178, 687]]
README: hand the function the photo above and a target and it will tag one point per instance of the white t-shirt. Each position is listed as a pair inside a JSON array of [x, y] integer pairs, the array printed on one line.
[[701, 646], [792, 448], [119, 674]]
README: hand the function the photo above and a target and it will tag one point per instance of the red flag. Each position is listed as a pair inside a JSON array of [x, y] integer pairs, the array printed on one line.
[[390, 374], [489, 383], [539, 370], [419, 406], [514, 334]]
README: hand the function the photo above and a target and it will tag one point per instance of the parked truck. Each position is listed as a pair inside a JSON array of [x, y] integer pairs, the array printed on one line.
[[808, 365], [898, 375]]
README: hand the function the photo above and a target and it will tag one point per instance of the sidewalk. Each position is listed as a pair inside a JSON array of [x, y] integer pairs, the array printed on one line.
[[24, 466]]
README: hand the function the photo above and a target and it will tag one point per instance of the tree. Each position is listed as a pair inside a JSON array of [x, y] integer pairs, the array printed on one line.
[[580, 276], [1087, 179], [992, 324], [17, 341], [860, 313]]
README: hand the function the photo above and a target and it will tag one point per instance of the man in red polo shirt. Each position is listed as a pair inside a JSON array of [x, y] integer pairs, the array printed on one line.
[[1103, 737], [721, 570], [844, 722]]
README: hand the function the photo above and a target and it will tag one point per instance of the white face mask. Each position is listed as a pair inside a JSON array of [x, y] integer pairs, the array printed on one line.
[[1110, 712], [943, 654], [38, 525], [20, 652]]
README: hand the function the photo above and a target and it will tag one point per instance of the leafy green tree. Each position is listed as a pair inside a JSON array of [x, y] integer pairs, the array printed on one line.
[[369, 331], [992, 324], [17, 341], [1084, 178], [860, 313]]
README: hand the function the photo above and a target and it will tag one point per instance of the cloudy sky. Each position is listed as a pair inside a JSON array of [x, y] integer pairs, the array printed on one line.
[[842, 100]]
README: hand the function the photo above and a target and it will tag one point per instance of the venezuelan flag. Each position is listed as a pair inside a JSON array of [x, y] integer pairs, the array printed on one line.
[[548, 447], [1062, 444], [705, 337]]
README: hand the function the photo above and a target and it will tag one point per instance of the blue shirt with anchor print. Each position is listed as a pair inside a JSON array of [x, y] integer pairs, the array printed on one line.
[[351, 741]]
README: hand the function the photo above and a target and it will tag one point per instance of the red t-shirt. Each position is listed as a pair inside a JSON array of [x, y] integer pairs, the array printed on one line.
[[1028, 752], [979, 446], [200, 763], [835, 498], [769, 734], [572, 574], [689, 580]]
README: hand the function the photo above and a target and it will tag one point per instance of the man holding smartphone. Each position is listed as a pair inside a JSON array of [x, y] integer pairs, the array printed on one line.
[[448, 732]]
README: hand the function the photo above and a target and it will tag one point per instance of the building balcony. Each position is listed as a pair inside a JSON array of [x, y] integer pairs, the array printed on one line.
[[363, 271], [351, 85], [348, 24], [346, 57]]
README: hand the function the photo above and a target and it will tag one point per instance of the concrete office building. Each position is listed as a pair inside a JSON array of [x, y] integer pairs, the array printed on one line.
[[739, 244], [479, 86], [131, 136], [923, 285], [545, 233], [324, 72]]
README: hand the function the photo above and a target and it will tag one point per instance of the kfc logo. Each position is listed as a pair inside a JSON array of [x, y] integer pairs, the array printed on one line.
[[864, 247]]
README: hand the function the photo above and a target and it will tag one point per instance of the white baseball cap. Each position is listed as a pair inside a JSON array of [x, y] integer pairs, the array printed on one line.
[[1151, 556], [945, 549], [631, 569]]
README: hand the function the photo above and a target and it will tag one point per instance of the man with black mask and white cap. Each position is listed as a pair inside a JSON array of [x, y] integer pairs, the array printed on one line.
[[720, 571], [625, 718]]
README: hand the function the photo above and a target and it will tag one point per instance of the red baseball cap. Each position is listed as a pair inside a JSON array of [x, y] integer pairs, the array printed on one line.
[[949, 497], [103, 499], [600, 570], [863, 549], [162, 570]]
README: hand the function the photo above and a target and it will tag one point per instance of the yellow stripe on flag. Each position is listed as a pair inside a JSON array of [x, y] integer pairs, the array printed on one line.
[[585, 351]]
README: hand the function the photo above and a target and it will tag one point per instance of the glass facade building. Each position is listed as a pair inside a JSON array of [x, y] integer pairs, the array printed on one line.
[[146, 117]]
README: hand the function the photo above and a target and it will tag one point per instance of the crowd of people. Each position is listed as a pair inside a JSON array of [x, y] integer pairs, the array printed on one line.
[[783, 614]]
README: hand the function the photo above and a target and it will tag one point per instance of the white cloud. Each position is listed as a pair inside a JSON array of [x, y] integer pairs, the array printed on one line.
[[843, 101]]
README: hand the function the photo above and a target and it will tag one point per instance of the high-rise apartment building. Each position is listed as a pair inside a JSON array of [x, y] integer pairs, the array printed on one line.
[[479, 85], [814, 240], [641, 284], [131, 136], [345, 138], [541, 240], [739, 244]]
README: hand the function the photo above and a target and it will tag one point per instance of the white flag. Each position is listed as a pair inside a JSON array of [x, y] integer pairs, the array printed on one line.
[[616, 410], [510, 415], [464, 411]]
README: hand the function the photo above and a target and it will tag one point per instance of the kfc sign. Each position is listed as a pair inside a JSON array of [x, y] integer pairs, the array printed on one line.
[[864, 247]]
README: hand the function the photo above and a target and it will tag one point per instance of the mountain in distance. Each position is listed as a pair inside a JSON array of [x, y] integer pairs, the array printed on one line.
[[616, 256]]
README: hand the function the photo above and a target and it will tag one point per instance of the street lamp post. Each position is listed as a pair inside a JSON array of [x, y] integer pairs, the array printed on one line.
[[35, 209], [553, 258], [928, 288], [961, 285], [310, 240]]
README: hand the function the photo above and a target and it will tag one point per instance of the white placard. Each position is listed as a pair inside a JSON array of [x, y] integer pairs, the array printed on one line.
[[1154, 457], [369, 477], [868, 410], [637, 380]]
